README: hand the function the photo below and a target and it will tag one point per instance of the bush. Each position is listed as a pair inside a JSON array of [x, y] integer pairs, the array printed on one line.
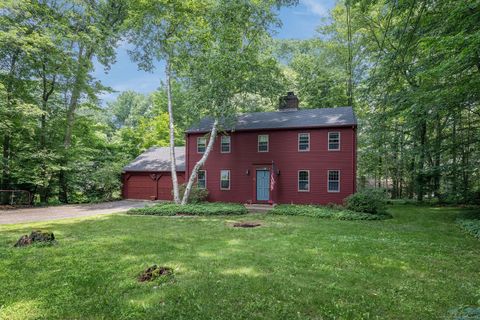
[[196, 194], [325, 212], [199, 209], [472, 226], [373, 201]]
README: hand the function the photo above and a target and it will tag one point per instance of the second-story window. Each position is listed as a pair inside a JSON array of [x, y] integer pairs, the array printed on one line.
[[334, 141], [225, 144], [225, 179], [202, 179], [201, 144], [303, 141], [263, 143]]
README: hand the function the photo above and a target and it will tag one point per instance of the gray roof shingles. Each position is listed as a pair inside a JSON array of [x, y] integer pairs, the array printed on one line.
[[157, 159], [303, 118]]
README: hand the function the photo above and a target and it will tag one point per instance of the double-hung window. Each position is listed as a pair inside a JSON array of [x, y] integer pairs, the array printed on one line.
[[333, 180], [225, 144], [201, 144], [225, 179], [263, 143], [304, 180], [202, 179], [303, 141], [333, 141]]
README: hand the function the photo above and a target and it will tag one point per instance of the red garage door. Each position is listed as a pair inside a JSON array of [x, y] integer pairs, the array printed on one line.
[[149, 186]]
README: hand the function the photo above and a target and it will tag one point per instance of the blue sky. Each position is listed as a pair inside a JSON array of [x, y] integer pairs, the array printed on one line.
[[299, 22]]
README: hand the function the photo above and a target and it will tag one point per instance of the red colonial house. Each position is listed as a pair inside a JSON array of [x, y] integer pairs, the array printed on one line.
[[304, 156]]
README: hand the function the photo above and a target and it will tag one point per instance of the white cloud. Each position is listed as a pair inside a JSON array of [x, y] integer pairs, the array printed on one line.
[[316, 7]]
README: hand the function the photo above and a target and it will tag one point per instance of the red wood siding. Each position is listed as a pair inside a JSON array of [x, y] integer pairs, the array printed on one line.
[[149, 185], [283, 150]]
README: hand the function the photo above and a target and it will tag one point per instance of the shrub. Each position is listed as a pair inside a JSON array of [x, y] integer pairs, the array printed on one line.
[[196, 194], [371, 201], [325, 212], [199, 209], [472, 226]]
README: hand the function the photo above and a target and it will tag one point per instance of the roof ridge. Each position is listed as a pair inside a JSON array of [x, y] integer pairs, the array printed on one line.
[[301, 118]]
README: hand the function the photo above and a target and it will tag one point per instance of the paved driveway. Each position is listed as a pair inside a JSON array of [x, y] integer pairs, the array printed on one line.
[[67, 211]]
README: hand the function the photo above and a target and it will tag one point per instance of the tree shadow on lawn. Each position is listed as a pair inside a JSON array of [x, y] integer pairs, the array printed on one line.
[[284, 270]]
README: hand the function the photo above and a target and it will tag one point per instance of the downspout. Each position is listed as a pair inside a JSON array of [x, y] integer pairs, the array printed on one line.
[[354, 158], [186, 157]]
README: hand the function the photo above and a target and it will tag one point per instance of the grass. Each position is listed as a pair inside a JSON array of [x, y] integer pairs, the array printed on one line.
[[419, 265]]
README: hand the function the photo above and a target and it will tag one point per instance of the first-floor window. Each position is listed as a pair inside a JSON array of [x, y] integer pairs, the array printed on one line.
[[201, 144], [202, 179], [333, 181], [225, 179], [303, 180]]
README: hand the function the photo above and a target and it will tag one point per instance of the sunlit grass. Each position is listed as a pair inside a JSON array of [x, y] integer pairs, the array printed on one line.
[[418, 265]]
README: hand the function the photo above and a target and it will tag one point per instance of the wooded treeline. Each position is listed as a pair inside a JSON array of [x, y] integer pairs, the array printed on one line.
[[410, 68]]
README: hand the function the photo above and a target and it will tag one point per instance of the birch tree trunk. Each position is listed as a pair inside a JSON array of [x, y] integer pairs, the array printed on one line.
[[173, 162], [200, 163]]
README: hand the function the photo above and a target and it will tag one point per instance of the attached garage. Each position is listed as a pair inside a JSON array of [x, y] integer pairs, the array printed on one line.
[[148, 176]]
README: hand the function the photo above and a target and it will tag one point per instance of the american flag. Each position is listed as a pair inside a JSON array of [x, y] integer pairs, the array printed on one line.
[[272, 177]]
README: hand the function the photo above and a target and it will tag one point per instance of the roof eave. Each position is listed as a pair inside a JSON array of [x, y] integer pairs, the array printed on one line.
[[280, 128]]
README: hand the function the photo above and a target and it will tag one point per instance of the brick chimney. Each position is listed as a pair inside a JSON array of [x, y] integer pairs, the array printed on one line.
[[288, 102]]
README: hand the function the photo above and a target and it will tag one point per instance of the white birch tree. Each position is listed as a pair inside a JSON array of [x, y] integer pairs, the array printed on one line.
[[160, 30]]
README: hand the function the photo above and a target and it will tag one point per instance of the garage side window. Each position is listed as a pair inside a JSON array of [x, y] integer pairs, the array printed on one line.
[[202, 179], [201, 144], [333, 181], [225, 179]]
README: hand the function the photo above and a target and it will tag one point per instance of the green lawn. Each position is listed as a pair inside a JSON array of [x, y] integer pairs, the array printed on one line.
[[418, 265]]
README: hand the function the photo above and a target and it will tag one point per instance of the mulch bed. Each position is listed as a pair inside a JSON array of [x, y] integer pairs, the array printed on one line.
[[246, 224], [37, 236], [154, 272]]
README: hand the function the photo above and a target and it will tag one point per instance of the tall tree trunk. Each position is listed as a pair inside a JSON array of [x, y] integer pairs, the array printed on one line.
[[173, 162], [421, 162], [77, 89], [454, 157], [437, 155], [7, 139], [200, 163], [47, 92]]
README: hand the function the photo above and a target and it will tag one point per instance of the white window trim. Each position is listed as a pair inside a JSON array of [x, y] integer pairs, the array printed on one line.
[[205, 179], [298, 142], [229, 144], [298, 180], [258, 143], [339, 141], [198, 138], [328, 181], [229, 179]]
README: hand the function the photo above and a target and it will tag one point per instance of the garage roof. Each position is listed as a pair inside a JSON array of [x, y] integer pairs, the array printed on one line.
[[157, 159], [303, 118]]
